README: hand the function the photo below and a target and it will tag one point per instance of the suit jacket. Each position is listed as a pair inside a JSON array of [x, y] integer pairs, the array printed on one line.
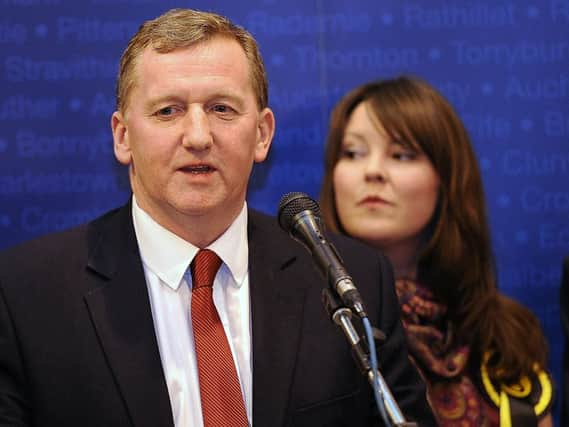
[[78, 346], [564, 302]]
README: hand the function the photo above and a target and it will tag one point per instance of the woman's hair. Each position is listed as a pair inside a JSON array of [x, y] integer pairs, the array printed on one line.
[[457, 260]]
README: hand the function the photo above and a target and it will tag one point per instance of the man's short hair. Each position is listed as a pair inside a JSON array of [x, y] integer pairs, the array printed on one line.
[[182, 28]]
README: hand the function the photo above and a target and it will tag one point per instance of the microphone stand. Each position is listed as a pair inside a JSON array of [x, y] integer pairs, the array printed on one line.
[[341, 316]]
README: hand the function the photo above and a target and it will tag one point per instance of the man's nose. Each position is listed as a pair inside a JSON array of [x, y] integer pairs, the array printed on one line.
[[197, 132]]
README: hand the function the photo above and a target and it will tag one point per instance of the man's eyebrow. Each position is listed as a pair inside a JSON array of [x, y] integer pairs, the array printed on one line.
[[153, 102], [223, 95], [229, 95]]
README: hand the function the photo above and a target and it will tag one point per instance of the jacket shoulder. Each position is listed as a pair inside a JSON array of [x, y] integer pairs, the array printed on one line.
[[347, 247], [53, 251]]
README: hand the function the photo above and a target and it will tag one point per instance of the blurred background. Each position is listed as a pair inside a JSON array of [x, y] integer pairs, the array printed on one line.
[[504, 65]]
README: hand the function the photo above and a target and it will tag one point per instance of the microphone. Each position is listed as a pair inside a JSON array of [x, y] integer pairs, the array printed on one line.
[[299, 216]]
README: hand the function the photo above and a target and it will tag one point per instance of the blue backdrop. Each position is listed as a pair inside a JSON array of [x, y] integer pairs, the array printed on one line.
[[504, 65]]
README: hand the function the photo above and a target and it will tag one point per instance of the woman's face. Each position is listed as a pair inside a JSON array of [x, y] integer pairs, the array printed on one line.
[[386, 192]]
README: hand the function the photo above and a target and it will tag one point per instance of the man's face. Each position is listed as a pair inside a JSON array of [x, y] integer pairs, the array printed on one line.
[[191, 132]]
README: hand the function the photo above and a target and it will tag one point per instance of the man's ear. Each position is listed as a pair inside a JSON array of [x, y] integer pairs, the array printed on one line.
[[121, 143], [265, 133]]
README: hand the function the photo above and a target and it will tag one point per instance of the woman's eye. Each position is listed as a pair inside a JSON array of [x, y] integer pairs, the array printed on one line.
[[350, 153], [404, 155]]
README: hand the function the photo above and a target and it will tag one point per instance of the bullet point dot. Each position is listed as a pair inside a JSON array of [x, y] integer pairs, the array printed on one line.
[[532, 12], [487, 88], [434, 54], [526, 124], [41, 30], [387, 19], [277, 60], [75, 104], [522, 236], [504, 201]]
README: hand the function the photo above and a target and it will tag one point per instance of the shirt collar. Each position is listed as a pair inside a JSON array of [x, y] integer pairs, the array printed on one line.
[[168, 256], [233, 248]]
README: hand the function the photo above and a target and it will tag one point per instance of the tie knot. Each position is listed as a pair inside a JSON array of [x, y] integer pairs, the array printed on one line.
[[204, 268]]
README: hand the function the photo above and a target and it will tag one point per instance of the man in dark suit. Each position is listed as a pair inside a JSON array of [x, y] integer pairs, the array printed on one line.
[[97, 323]]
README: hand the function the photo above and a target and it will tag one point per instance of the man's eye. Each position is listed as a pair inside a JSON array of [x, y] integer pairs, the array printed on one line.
[[166, 111], [222, 108]]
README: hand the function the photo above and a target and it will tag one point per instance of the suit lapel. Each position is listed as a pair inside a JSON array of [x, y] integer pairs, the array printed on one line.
[[119, 306], [277, 301]]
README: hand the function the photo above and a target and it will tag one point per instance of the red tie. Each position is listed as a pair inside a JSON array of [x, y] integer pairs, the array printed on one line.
[[221, 397]]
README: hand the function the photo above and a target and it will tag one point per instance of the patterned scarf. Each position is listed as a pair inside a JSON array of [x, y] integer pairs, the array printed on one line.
[[444, 365]]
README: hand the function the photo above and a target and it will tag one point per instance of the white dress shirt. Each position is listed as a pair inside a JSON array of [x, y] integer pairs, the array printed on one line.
[[166, 258]]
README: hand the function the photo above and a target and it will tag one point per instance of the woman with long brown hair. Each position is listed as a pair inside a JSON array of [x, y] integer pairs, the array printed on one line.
[[401, 175]]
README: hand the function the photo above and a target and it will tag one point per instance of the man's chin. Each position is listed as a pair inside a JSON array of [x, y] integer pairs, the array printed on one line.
[[195, 209]]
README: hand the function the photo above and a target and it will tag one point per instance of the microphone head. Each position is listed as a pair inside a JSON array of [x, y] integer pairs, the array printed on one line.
[[292, 204]]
